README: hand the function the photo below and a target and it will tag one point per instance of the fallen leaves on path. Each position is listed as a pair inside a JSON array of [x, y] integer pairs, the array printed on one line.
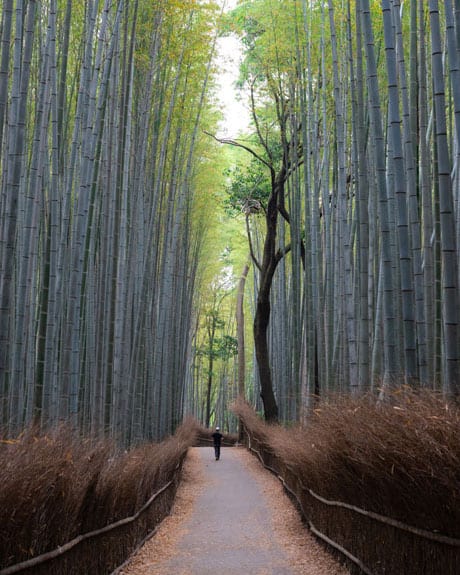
[[161, 547], [306, 556]]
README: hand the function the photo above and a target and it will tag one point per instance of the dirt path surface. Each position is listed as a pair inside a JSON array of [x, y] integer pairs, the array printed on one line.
[[231, 517]]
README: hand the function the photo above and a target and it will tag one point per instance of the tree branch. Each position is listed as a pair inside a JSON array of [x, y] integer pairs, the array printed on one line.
[[237, 144], [257, 125], [282, 210], [281, 253], [251, 249]]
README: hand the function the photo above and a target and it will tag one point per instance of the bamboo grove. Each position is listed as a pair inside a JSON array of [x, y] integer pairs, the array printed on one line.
[[346, 183], [101, 108], [356, 121]]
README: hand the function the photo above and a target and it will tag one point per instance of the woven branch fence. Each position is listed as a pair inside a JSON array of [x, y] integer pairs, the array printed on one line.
[[368, 542], [102, 551]]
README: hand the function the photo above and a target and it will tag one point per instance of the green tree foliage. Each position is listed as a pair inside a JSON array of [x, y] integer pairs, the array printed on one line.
[[247, 189], [267, 71], [341, 98]]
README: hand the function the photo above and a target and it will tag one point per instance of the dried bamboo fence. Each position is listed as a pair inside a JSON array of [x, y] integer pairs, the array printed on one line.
[[368, 542], [105, 550]]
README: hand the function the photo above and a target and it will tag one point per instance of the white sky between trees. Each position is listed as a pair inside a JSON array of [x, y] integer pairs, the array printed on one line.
[[236, 113]]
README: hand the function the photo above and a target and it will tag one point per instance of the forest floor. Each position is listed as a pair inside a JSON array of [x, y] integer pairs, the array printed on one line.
[[231, 517]]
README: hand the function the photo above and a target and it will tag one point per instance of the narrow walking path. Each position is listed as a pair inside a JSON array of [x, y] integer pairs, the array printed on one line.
[[231, 517]]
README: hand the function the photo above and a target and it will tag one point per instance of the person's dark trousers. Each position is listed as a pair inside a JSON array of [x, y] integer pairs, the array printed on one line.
[[217, 451]]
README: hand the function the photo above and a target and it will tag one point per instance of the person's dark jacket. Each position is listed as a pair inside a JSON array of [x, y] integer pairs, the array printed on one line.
[[217, 438]]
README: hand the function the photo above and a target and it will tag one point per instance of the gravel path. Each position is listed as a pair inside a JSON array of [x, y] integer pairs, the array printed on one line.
[[231, 517]]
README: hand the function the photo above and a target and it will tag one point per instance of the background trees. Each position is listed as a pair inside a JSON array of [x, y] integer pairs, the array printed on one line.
[[112, 199], [360, 115], [101, 108]]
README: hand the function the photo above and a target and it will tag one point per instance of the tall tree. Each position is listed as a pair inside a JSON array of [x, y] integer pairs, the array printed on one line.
[[450, 307]]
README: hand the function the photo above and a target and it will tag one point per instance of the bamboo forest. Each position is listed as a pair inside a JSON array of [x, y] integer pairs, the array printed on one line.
[[156, 264]]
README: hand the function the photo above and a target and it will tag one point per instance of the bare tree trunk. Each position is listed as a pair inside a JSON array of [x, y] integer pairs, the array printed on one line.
[[240, 331], [270, 259], [405, 261], [450, 300], [6, 26], [389, 340], [16, 156]]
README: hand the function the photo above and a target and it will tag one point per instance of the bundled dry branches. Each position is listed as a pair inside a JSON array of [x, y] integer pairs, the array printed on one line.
[[400, 458], [57, 486]]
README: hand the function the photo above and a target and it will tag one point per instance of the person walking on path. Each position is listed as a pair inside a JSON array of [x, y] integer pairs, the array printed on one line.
[[217, 438]]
